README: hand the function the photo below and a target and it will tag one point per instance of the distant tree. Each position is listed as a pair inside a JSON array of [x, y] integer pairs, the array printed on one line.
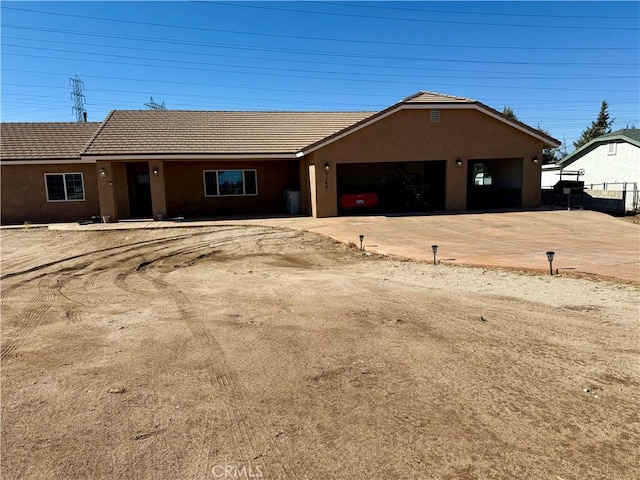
[[549, 155], [598, 127], [508, 112]]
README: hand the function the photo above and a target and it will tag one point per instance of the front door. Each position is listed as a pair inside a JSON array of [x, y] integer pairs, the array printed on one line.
[[139, 190]]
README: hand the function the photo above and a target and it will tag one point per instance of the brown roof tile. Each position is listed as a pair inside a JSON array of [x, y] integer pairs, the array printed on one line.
[[43, 141], [139, 132], [432, 97]]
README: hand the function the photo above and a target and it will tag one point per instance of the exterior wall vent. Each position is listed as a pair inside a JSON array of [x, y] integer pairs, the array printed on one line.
[[435, 116]]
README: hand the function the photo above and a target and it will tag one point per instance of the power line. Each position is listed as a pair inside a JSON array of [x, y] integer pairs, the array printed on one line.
[[223, 45], [423, 20], [513, 75], [271, 35], [461, 12], [374, 78], [445, 60]]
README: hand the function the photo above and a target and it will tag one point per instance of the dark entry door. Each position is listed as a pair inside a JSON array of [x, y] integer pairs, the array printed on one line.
[[139, 190]]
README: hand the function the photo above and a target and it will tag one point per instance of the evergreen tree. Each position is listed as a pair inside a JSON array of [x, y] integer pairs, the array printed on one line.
[[598, 127], [549, 155], [508, 112]]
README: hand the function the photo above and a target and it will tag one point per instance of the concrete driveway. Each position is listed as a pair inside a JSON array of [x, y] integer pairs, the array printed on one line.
[[585, 242]]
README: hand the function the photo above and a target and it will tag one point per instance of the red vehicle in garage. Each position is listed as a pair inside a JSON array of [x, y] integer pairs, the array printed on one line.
[[350, 201]]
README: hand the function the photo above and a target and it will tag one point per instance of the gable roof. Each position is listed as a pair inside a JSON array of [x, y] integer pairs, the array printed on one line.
[[628, 135], [183, 132], [44, 141], [433, 100]]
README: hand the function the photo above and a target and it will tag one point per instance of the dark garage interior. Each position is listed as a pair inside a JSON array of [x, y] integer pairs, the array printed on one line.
[[391, 187], [494, 183]]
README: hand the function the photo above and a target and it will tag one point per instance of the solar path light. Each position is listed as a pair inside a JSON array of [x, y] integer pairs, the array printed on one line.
[[361, 240], [434, 249], [550, 256]]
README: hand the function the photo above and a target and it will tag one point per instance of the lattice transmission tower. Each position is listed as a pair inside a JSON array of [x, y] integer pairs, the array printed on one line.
[[151, 105], [77, 95]]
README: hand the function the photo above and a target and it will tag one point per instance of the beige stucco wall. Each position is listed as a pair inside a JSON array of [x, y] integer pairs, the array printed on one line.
[[184, 187], [24, 195], [409, 135]]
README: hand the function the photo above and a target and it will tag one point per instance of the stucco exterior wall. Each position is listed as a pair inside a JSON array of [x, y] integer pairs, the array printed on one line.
[[409, 135], [184, 187], [24, 195]]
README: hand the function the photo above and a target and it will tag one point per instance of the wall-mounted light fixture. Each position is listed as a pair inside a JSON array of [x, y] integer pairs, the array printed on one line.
[[459, 163], [535, 160], [155, 171], [103, 173]]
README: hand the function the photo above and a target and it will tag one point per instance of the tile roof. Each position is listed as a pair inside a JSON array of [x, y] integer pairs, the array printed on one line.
[[433, 97], [31, 141], [139, 132]]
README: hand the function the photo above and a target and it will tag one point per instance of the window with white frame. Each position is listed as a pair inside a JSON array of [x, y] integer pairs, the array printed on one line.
[[225, 183], [482, 174], [611, 148], [64, 187]]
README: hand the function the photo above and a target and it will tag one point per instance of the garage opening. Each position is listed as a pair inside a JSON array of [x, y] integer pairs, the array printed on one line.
[[494, 183], [391, 187]]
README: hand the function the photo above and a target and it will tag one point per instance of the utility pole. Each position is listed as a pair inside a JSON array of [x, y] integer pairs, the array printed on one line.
[[151, 105], [77, 87]]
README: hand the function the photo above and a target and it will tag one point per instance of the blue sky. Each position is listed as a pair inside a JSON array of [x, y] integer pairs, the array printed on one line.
[[552, 62]]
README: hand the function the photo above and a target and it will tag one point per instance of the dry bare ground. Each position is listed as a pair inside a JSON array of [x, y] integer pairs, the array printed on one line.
[[251, 352]]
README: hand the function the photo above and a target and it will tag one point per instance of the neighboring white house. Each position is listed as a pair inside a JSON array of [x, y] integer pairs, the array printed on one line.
[[609, 166]]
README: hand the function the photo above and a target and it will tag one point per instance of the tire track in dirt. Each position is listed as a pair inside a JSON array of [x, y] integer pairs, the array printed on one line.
[[133, 246], [30, 317], [246, 426]]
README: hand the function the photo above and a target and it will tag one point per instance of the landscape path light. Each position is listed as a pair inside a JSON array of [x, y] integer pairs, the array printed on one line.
[[361, 240], [434, 249], [550, 256]]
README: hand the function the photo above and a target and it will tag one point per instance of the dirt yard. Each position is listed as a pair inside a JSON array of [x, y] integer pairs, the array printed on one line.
[[253, 352]]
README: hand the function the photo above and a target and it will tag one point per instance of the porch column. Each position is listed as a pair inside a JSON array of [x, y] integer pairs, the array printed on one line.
[[106, 194], [326, 190], [158, 196], [531, 180], [456, 184]]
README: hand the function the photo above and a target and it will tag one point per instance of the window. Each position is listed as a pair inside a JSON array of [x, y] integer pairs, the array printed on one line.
[[482, 174], [611, 148], [64, 187], [225, 183]]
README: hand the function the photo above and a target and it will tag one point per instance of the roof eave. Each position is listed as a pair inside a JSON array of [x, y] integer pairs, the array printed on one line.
[[191, 156], [588, 147]]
